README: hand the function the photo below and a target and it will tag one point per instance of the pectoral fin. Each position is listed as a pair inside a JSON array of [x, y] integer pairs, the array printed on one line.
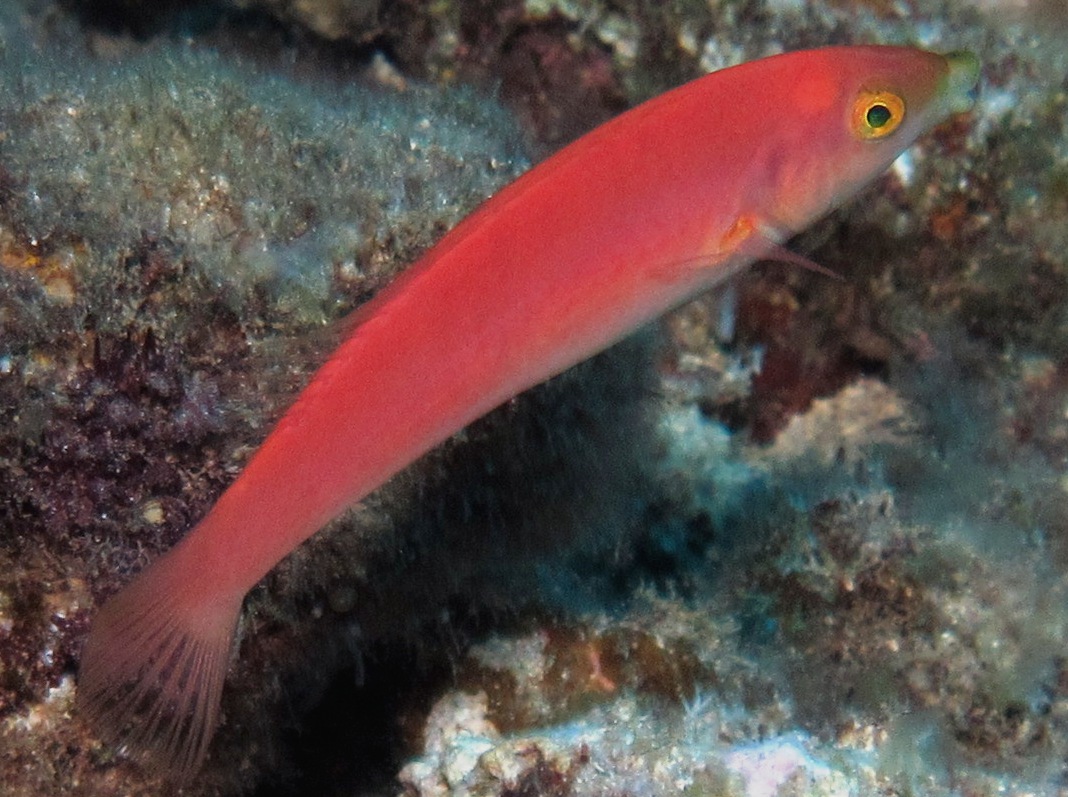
[[754, 240]]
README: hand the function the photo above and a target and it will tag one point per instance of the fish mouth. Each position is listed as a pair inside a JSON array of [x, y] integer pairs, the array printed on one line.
[[961, 87]]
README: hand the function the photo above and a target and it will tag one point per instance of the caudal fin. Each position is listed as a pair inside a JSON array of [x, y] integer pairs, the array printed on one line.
[[153, 666]]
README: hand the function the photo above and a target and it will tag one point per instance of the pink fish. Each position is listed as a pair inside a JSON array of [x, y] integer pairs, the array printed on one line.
[[629, 221]]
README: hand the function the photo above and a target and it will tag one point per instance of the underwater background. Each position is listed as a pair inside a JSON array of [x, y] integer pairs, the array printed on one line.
[[801, 537]]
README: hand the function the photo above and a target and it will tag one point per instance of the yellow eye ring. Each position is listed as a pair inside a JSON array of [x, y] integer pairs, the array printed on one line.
[[877, 114]]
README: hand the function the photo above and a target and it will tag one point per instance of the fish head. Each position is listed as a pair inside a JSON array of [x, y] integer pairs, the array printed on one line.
[[845, 114]]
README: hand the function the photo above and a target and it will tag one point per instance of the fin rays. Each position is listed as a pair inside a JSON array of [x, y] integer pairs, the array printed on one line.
[[153, 669]]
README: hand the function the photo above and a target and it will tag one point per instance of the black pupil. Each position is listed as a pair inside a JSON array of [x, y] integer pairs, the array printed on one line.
[[878, 116]]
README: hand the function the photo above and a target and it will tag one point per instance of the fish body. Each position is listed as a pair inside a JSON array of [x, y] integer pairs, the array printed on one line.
[[627, 222]]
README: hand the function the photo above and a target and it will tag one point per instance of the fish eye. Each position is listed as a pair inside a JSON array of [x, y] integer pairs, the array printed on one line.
[[877, 114]]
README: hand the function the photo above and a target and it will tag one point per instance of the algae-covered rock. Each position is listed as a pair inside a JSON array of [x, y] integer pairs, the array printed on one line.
[[810, 538]]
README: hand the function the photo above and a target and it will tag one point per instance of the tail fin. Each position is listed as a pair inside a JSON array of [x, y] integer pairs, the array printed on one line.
[[153, 666]]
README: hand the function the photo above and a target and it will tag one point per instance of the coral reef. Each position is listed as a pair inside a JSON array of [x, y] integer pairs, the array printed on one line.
[[809, 537]]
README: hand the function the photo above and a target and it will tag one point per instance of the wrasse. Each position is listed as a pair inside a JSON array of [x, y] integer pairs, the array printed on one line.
[[622, 225]]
